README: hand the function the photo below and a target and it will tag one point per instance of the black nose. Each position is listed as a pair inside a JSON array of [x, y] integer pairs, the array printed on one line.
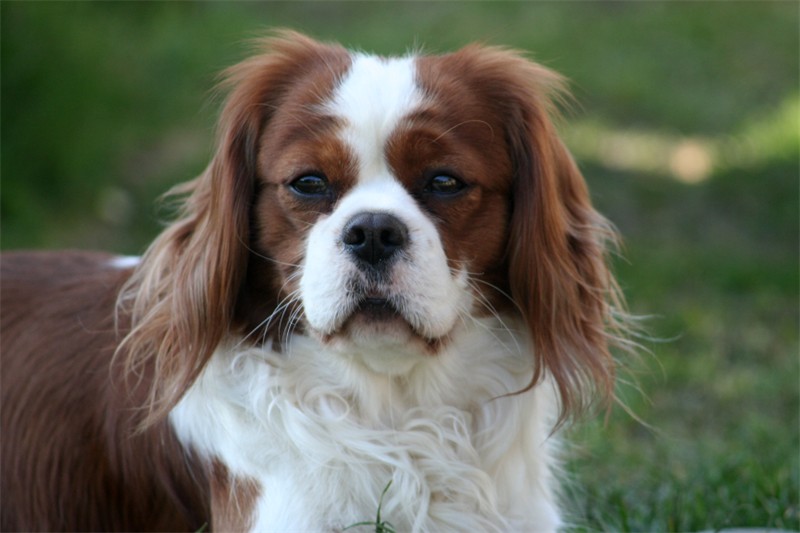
[[374, 237]]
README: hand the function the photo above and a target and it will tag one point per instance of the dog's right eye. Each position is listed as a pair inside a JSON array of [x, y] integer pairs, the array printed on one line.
[[310, 185]]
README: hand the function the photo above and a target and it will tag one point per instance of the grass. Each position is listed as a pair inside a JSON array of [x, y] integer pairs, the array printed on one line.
[[381, 526], [721, 396], [105, 105]]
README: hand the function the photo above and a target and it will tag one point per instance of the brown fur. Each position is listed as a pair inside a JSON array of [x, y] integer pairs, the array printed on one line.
[[197, 279], [555, 268], [232, 500], [71, 459]]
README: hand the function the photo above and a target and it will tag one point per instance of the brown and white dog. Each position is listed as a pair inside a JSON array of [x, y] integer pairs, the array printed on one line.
[[390, 272]]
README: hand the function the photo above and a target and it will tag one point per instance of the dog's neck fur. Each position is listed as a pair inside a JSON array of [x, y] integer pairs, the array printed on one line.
[[303, 422]]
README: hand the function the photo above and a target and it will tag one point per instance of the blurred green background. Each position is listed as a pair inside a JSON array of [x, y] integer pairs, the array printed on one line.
[[687, 128]]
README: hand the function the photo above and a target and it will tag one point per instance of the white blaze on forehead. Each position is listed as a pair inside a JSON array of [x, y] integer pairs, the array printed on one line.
[[372, 99]]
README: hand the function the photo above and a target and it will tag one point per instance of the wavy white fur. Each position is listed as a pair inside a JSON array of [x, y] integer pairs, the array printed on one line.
[[324, 435]]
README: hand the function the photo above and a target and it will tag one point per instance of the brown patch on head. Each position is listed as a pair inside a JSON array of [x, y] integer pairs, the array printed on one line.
[[529, 225], [218, 270], [459, 131], [298, 139]]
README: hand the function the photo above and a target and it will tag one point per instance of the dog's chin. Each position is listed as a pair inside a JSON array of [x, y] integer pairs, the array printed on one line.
[[380, 337]]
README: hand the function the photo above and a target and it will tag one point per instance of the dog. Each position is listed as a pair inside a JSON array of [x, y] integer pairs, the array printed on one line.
[[386, 294]]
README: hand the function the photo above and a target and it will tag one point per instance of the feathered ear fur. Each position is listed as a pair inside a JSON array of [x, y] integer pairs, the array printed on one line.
[[558, 269], [557, 250], [181, 299]]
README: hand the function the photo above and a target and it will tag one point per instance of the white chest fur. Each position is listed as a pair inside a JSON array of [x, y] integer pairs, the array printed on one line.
[[324, 435]]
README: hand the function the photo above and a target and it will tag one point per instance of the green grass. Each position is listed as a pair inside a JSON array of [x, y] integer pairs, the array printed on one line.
[[105, 105], [717, 265], [380, 526]]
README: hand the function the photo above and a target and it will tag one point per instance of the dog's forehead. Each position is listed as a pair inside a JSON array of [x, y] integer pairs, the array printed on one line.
[[372, 100], [376, 92]]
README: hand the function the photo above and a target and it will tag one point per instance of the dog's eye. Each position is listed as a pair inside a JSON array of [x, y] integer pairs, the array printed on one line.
[[445, 185], [310, 185]]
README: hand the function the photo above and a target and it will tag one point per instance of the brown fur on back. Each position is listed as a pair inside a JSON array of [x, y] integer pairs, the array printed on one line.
[[68, 424]]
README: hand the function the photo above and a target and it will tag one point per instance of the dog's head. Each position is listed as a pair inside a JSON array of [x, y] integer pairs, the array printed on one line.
[[379, 205]]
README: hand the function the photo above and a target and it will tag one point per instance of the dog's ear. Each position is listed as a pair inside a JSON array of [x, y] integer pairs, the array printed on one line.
[[558, 271], [557, 249], [181, 299]]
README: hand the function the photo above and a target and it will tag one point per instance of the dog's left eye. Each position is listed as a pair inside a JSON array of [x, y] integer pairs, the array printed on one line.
[[444, 184], [310, 185]]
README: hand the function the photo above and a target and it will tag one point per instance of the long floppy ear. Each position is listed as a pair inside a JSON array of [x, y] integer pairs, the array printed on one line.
[[557, 252], [181, 299]]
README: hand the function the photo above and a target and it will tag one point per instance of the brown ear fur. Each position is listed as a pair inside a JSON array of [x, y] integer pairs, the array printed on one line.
[[559, 277], [557, 249], [558, 258], [181, 299]]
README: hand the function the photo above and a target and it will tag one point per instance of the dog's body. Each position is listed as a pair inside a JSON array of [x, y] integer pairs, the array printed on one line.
[[71, 460], [390, 272]]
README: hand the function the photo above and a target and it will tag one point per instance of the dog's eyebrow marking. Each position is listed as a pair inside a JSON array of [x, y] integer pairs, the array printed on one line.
[[373, 98]]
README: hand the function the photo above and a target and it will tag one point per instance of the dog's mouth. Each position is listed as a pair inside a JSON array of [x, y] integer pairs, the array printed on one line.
[[376, 316], [377, 309], [376, 319]]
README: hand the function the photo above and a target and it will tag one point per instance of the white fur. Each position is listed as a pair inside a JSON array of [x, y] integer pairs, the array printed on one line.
[[422, 287], [373, 99], [323, 435], [323, 428], [125, 261]]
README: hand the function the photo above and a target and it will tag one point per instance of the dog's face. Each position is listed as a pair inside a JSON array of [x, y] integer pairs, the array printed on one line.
[[380, 206], [393, 205]]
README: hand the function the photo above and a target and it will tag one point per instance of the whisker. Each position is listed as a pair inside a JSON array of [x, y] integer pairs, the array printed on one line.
[[482, 300], [462, 124], [294, 319], [265, 257], [279, 312], [495, 288]]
